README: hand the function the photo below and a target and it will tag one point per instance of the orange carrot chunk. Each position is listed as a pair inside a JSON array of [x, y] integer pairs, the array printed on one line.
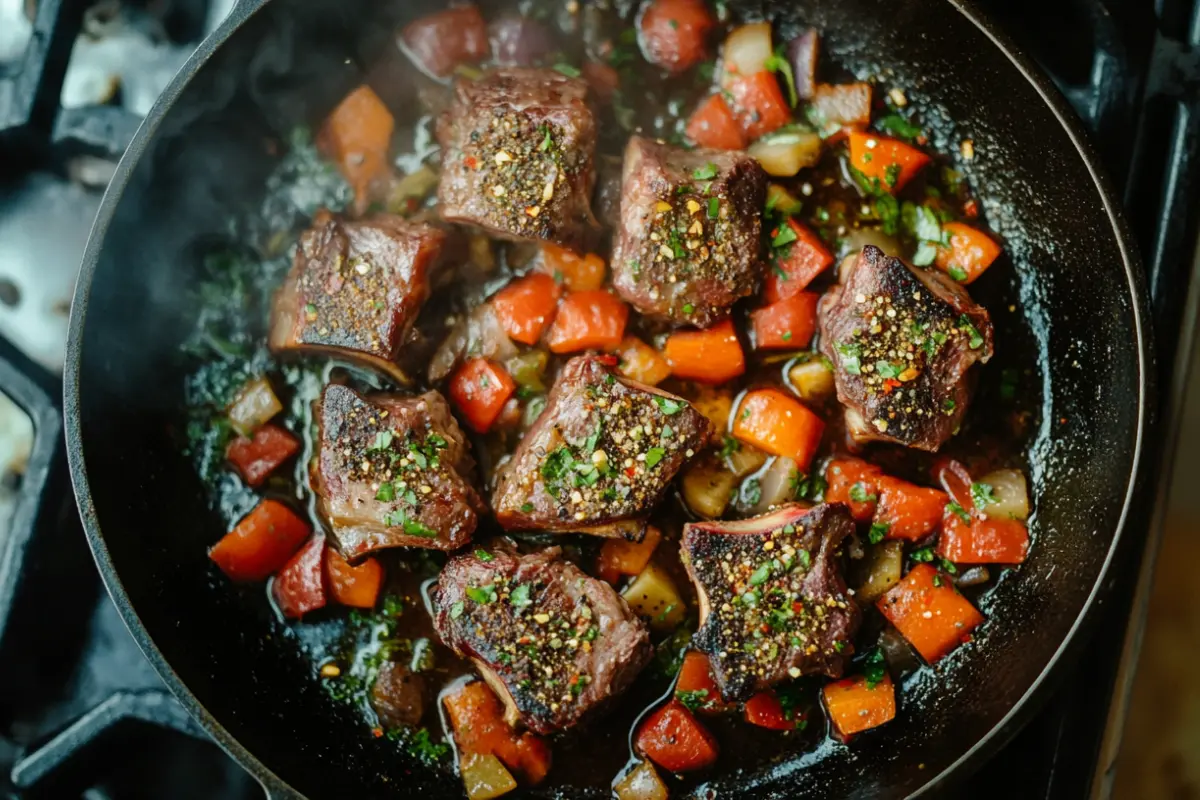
[[479, 390], [256, 458], [910, 511], [577, 273], [526, 306], [299, 587], [776, 422], [261, 543], [795, 267], [713, 355], [765, 711], [855, 483], [696, 682], [713, 125], [929, 612], [970, 253], [891, 162], [477, 718], [357, 137], [786, 325], [357, 587], [983, 541], [674, 33], [759, 104], [641, 362], [675, 740], [619, 557], [854, 705], [588, 321]]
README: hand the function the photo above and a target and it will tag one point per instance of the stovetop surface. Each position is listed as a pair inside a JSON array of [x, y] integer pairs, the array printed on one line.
[[83, 714]]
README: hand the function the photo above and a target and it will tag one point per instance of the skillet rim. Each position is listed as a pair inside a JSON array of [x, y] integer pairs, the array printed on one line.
[[1022, 709]]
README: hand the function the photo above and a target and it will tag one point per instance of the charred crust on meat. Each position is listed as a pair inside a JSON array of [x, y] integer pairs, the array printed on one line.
[[773, 602], [601, 455], [553, 641], [687, 247], [902, 340]]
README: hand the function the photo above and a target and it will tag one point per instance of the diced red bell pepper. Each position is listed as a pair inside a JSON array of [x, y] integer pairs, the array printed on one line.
[[261, 543], [713, 355], [695, 676], [786, 325], [674, 33], [479, 390], [759, 104], [592, 320], [970, 253], [891, 162], [796, 267], [855, 483], [526, 306], [778, 423], [929, 612], [911, 512], [765, 711], [675, 740], [713, 125], [354, 586], [854, 705], [256, 458], [299, 587], [983, 541]]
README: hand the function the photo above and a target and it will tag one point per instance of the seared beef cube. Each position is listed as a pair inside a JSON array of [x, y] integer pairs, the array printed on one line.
[[550, 640], [517, 156], [392, 471], [773, 603], [600, 456], [902, 340], [687, 247], [355, 289]]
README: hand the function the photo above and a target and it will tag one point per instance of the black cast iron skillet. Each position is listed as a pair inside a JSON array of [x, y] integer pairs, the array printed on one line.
[[1078, 321]]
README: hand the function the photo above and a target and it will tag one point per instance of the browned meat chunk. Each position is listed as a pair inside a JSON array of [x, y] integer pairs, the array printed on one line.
[[687, 247], [551, 641], [517, 156], [398, 696], [355, 289], [902, 340], [391, 471], [773, 603], [599, 457]]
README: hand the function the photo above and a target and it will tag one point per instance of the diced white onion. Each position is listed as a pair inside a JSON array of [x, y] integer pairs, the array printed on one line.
[[747, 49]]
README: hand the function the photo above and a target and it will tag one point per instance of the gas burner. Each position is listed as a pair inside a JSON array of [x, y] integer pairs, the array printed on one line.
[[84, 712]]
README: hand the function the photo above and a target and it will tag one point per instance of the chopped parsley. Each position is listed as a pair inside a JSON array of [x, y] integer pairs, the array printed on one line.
[[858, 493], [425, 750], [976, 340], [483, 555], [752, 491], [982, 494], [924, 555], [761, 575], [520, 596], [714, 207], [778, 62], [875, 668], [568, 70], [526, 508], [878, 532], [785, 236], [806, 487], [694, 699], [668, 406], [386, 493], [957, 273], [482, 594], [898, 126], [456, 610], [688, 308], [383, 440], [959, 512], [653, 456], [705, 173], [730, 446], [886, 369], [850, 354]]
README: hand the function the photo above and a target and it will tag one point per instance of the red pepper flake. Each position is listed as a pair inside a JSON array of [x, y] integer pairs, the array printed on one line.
[[890, 384], [470, 162], [797, 606], [377, 732], [971, 208], [630, 471]]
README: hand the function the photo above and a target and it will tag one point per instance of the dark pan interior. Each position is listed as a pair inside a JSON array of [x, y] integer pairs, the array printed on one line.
[[1074, 322]]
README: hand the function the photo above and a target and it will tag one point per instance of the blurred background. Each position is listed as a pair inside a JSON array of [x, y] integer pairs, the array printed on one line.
[[82, 715]]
